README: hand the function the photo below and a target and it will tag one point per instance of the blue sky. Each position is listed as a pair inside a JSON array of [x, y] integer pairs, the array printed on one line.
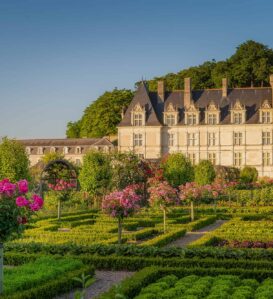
[[57, 56]]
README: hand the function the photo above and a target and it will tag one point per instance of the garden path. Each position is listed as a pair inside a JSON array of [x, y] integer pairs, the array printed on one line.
[[195, 235], [104, 281]]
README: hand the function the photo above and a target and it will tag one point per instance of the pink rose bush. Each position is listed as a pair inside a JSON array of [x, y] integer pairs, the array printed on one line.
[[163, 195], [122, 204], [16, 207]]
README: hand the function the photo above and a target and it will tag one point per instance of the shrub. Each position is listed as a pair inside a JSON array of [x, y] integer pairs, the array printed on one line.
[[204, 173], [248, 174]]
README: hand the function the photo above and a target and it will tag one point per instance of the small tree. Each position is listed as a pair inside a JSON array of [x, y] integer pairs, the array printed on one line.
[[163, 195], [14, 163], [95, 173], [15, 211], [204, 173], [191, 192], [248, 175], [122, 204], [177, 169], [62, 192]]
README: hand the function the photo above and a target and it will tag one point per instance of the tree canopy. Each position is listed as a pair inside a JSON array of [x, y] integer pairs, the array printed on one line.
[[14, 163], [250, 65], [204, 173]]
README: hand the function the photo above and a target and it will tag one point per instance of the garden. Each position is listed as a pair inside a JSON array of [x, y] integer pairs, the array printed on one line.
[[178, 231]]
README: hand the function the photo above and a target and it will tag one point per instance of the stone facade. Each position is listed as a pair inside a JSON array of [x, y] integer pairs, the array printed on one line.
[[72, 149], [231, 127]]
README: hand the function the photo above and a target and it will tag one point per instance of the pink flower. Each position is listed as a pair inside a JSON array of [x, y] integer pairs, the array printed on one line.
[[37, 200], [23, 186], [21, 201], [7, 188]]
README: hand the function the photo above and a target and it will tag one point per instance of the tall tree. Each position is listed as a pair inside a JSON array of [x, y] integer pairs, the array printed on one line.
[[14, 162]]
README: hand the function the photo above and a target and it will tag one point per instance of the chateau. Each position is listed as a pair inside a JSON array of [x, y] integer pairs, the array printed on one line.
[[72, 149], [228, 126]]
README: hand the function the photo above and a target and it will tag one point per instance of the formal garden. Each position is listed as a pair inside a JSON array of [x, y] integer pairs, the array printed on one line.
[[119, 227]]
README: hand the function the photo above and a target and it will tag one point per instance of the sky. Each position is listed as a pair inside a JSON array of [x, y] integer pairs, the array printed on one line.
[[57, 56]]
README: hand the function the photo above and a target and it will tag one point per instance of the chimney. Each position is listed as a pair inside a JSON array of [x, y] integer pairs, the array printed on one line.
[[224, 87], [161, 90], [187, 92]]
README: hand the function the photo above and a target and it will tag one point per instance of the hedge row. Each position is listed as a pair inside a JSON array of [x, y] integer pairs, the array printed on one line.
[[132, 286], [134, 263]]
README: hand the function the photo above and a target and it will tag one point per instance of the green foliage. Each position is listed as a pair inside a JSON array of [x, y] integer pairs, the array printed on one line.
[[248, 174], [51, 157], [14, 163], [102, 116], [250, 65], [73, 129], [204, 173], [177, 169], [226, 173], [126, 170], [95, 173], [85, 281]]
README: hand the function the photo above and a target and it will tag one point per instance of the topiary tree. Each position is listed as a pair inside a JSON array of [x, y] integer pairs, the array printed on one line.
[[122, 204], [204, 173], [226, 173], [16, 209], [95, 174], [191, 192], [177, 169], [248, 175], [14, 163], [163, 195]]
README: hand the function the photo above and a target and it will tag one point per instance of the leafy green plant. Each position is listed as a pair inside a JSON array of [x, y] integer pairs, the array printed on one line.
[[86, 281]]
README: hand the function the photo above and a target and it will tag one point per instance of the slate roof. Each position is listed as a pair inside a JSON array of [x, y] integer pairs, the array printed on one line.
[[251, 98]]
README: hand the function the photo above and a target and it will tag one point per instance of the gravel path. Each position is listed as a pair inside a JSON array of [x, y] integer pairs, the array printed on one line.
[[195, 235], [104, 281]]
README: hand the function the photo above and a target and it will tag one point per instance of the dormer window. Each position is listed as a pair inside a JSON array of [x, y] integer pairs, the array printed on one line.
[[170, 115], [52, 149], [78, 150], [238, 113], [40, 151], [192, 115], [65, 150], [138, 116], [28, 150], [266, 113], [212, 114]]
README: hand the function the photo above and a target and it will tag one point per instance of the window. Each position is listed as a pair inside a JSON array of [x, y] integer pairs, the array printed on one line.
[[266, 138], [266, 159], [78, 150], [138, 119], [237, 117], [40, 151], [170, 119], [212, 119], [212, 158], [266, 118], [192, 119], [191, 139], [192, 158], [212, 139], [137, 139], [65, 150], [52, 149], [237, 159], [140, 156], [28, 150], [238, 138], [171, 139]]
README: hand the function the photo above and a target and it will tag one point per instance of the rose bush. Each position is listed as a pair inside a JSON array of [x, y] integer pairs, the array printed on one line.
[[122, 204]]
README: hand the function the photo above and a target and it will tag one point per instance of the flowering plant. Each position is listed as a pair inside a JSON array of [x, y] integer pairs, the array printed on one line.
[[121, 204], [16, 207], [163, 195], [62, 191]]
